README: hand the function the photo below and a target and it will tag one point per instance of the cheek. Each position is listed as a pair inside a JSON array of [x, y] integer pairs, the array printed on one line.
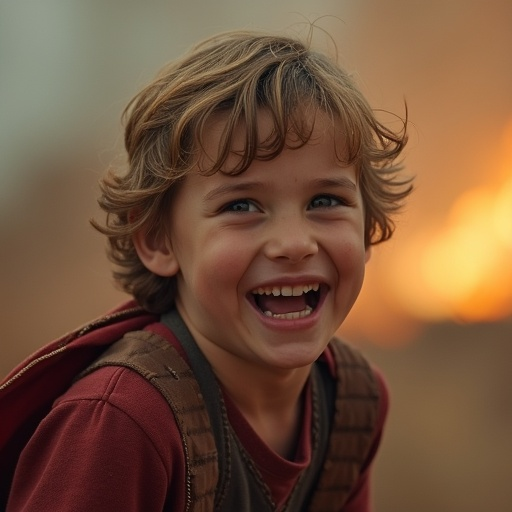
[[350, 260], [218, 266]]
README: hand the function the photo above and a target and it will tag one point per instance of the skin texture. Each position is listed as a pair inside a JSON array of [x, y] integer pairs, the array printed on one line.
[[295, 220]]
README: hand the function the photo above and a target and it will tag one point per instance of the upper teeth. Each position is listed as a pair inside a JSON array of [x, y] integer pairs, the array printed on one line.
[[286, 291]]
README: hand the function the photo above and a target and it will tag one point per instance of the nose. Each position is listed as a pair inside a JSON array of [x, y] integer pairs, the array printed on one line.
[[291, 239]]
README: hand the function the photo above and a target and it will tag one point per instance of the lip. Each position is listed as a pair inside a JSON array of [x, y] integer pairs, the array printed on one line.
[[295, 323]]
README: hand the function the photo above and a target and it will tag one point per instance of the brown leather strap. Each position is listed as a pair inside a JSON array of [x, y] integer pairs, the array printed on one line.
[[355, 417], [157, 361]]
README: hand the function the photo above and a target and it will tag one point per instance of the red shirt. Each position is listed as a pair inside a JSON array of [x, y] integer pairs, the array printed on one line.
[[111, 443]]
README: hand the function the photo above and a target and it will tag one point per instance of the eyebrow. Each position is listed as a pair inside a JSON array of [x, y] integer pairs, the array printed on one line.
[[230, 188], [341, 181]]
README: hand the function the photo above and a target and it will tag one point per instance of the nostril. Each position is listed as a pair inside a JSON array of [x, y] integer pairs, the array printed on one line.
[[292, 248]]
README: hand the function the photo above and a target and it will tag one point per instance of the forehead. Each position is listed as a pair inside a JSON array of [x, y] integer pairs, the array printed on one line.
[[308, 126]]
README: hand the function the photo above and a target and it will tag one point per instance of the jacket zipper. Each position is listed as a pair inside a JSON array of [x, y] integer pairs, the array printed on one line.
[[25, 369], [79, 333]]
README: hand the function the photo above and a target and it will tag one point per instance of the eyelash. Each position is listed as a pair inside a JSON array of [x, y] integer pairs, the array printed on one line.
[[334, 201], [230, 207]]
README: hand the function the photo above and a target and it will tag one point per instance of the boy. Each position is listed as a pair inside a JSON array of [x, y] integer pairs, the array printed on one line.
[[258, 181]]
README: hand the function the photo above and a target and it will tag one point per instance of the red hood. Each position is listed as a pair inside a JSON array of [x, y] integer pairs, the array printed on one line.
[[28, 392]]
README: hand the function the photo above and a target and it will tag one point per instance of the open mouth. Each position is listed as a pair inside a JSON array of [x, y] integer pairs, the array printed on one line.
[[287, 302]]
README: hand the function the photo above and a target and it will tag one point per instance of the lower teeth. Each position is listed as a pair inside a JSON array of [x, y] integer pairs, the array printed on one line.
[[291, 316]]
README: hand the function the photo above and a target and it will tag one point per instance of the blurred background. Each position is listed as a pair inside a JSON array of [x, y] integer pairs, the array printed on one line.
[[435, 311]]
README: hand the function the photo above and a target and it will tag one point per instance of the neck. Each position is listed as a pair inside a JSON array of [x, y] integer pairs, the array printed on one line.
[[256, 387], [271, 402]]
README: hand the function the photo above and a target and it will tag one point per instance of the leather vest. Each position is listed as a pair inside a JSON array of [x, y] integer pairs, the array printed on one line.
[[220, 474]]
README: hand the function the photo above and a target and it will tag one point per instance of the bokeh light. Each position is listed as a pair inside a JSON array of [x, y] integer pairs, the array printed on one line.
[[462, 269]]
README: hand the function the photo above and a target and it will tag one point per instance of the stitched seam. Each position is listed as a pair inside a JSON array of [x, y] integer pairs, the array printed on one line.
[[105, 401], [113, 406]]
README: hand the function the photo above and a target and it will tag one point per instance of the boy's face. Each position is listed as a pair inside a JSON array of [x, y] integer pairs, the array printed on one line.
[[268, 262]]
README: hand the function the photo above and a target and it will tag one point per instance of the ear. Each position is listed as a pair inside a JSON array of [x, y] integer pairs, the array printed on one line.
[[367, 253], [156, 253]]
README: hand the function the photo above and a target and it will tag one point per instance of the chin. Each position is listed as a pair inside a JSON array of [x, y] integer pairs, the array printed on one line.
[[291, 358]]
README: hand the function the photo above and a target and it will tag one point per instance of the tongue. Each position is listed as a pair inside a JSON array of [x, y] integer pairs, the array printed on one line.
[[280, 305]]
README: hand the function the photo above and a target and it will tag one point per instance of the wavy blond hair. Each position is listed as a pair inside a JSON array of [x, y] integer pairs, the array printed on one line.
[[238, 73]]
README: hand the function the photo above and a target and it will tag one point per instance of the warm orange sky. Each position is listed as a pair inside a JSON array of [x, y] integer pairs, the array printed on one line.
[[451, 258], [456, 268]]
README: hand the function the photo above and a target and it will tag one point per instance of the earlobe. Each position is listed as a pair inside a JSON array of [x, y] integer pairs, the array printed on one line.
[[156, 254]]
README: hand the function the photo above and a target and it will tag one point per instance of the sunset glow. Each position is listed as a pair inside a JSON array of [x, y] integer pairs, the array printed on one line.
[[463, 268]]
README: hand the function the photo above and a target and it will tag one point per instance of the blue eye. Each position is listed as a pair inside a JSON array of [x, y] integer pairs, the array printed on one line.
[[240, 205], [325, 201]]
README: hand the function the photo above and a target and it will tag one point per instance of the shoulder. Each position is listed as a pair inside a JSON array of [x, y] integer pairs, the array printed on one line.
[[347, 362], [360, 377], [107, 443], [115, 396], [368, 398], [121, 389]]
